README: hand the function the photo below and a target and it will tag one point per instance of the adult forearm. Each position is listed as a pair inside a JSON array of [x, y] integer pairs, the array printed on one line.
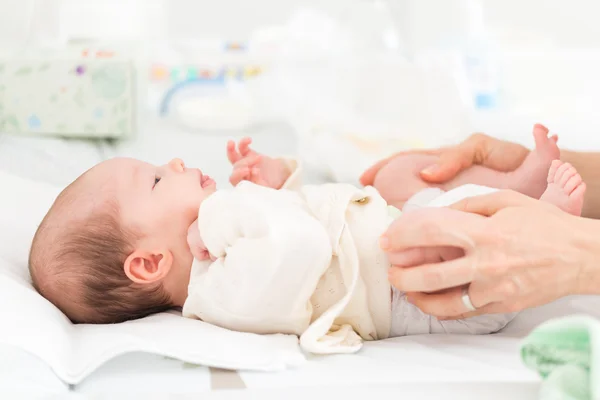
[[588, 166], [587, 239]]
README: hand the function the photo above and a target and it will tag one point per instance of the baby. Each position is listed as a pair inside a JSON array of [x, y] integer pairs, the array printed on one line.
[[128, 239]]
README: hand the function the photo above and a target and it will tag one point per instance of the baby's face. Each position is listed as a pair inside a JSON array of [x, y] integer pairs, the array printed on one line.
[[161, 202]]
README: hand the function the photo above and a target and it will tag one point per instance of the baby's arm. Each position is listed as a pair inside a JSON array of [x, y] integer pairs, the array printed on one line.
[[270, 254], [248, 165]]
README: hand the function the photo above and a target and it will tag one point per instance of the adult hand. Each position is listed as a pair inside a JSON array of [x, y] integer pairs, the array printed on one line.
[[514, 253], [477, 149]]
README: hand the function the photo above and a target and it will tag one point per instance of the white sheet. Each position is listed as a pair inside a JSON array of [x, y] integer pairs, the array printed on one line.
[[421, 360], [51, 160], [426, 364]]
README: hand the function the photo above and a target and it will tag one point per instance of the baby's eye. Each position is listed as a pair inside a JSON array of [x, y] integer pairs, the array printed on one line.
[[156, 180]]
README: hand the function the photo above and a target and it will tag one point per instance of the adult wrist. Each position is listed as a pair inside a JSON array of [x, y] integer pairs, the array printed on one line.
[[588, 279]]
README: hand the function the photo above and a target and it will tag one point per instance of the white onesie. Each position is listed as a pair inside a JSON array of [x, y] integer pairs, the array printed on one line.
[[305, 260]]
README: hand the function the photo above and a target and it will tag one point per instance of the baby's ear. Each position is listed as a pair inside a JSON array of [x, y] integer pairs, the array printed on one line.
[[148, 267]]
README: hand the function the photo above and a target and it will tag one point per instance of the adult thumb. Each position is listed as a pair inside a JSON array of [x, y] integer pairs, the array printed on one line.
[[489, 204], [449, 164]]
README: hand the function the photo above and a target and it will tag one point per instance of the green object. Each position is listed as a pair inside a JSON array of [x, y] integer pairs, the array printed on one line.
[[566, 354], [68, 96]]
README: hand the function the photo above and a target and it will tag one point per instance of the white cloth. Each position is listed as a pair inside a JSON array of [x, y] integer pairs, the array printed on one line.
[[304, 260], [434, 197]]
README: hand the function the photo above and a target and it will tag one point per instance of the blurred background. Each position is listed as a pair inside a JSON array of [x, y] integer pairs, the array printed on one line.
[[338, 83]]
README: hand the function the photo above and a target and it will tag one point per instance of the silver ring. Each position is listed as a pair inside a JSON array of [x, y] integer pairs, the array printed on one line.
[[467, 300]]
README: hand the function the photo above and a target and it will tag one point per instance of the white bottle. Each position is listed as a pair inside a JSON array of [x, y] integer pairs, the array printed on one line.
[[482, 72], [455, 26]]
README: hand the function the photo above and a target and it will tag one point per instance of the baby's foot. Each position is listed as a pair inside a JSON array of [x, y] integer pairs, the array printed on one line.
[[565, 188], [530, 177]]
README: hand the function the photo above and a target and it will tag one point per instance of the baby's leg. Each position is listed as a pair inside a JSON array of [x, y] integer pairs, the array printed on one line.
[[529, 178], [565, 188], [400, 178]]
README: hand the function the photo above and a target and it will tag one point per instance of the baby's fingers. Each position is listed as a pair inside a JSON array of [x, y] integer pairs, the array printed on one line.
[[250, 161], [244, 146], [232, 154], [239, 174]]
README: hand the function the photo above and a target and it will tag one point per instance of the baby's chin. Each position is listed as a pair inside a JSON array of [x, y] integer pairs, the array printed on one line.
[[210, 189]]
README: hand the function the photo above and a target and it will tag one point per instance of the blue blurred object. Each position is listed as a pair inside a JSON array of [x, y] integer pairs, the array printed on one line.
[[170, 94]]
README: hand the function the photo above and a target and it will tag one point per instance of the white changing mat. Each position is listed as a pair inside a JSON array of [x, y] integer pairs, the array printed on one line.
[[427, 366]]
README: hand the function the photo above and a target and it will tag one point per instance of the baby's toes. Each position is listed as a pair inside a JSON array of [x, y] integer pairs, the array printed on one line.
[[560, 172], [552, 171], [567, 176], [572, 184]]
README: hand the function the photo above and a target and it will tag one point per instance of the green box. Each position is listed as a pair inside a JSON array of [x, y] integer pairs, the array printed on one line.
[[67, 97]]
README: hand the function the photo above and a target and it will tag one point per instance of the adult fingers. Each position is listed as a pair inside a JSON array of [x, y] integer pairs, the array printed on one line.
[[431, 227], [457, 158], [447, 167], [424, 255], [501, 155], [446, 304], [489, 204], [478, 149], [450, 303], [412, 257], [433, 277]]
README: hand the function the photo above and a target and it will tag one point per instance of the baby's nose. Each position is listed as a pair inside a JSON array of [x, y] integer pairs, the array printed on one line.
[[177, 164]]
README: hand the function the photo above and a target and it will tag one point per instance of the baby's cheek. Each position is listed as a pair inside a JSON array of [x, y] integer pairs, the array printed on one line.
[[191, 212]]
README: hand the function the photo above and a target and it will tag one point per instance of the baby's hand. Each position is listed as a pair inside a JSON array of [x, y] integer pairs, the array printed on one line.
[[248, 165], [197, 246]]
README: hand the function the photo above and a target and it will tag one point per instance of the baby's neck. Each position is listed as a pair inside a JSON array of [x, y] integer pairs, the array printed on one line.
[[176, 283]]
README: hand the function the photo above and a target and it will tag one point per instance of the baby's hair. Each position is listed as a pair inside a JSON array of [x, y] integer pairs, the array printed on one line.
[[77, 264]]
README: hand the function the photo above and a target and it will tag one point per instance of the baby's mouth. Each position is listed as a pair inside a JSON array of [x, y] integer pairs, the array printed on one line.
[[205, 181]]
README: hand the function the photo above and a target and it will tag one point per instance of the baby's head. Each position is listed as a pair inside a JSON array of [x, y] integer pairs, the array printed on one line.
[[113, 247]]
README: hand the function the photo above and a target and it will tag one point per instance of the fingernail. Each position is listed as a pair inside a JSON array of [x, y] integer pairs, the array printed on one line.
[[384, 242], [432, 169]]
